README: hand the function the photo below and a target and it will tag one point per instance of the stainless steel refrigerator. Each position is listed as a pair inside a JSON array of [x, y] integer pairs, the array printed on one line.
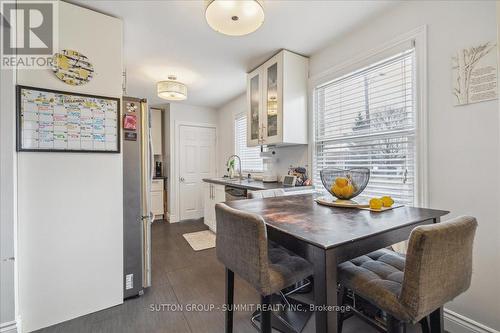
[[137, 176]]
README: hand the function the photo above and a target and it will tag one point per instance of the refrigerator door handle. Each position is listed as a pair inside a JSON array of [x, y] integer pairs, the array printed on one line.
[[147, 175]]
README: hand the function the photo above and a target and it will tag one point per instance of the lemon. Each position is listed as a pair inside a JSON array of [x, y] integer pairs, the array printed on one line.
[[387, 201], [376, 203], [341, 181], [336, 190], [347, 191]]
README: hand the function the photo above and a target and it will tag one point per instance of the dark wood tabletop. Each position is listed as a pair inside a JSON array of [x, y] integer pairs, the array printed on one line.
[[329, 227]]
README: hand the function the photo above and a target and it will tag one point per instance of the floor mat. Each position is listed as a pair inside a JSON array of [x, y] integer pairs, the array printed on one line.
[[200, 240]]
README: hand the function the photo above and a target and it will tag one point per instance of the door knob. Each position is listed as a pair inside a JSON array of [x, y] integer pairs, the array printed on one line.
[[182, 179]]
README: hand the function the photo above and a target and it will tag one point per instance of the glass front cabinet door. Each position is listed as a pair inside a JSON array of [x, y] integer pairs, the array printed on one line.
[[272, 104], [277, 101], [254, 98]]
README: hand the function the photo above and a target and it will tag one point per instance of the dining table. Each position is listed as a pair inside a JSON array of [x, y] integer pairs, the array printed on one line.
[[327, 236]]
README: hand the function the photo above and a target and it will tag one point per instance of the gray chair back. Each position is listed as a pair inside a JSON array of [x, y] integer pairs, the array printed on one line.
[[438, 265], [241, 245], [266, 194]]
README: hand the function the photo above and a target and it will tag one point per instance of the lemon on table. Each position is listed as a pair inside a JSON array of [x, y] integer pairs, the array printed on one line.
[[376, 203], [341, 181], [387, 201]]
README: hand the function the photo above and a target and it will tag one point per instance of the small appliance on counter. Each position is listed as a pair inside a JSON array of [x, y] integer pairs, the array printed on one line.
[[268, 159], [289, 181]]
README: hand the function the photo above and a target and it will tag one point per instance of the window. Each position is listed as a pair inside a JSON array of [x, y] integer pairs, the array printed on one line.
[[368, 119], [250, 156]]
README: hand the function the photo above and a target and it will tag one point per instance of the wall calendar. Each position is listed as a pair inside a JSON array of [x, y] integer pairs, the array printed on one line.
[[58, 121]]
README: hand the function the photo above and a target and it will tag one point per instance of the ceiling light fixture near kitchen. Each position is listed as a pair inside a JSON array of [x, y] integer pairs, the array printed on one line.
[[171, 89], [234, 17]]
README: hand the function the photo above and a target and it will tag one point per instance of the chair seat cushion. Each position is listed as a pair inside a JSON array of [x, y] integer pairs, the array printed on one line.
[[285, 268], [377, 277]]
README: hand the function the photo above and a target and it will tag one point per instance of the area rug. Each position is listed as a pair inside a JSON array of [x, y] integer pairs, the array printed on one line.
[[200, 240]]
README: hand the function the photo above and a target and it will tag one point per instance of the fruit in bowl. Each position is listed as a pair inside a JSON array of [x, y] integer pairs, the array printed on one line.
[[345, 184]]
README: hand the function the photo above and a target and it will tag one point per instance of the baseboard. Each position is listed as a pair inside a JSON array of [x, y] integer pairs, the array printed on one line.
[[172, 218], [456, 323], [8, 327]]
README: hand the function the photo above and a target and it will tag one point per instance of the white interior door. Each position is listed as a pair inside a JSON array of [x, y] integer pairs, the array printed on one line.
[[197, 148]]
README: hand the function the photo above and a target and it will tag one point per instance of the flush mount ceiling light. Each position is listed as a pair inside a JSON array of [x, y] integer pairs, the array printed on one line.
[[234, 17], [171, 89]]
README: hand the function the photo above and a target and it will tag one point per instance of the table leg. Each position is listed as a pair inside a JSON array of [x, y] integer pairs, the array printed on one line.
[[325, 290], [437, 321]]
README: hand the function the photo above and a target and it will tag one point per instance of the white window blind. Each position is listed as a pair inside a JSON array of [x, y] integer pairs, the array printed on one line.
[[250, 156], [367, 119]]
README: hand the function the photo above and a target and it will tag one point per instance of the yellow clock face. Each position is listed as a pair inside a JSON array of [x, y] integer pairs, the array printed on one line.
[[72, 67]]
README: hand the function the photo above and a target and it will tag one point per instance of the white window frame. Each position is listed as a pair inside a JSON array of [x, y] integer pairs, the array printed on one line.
[[244, 171], [418, 38]]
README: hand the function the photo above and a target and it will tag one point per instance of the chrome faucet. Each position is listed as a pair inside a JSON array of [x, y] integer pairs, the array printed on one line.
[[239, 163]]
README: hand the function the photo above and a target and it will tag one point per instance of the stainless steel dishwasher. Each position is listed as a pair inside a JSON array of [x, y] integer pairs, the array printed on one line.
[[235, 193]]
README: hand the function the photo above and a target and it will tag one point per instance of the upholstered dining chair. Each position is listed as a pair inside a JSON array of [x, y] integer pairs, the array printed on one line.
[[437, 268], [300, 286], [242, 246]]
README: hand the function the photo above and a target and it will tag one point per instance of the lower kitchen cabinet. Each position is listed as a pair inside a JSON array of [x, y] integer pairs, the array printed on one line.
[[213, 193], [157, 207]]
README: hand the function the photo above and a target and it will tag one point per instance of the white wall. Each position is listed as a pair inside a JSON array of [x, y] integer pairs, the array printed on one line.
[[463, 141], [293, 155], [181, 112], [7, 200], [70, 204], [225, 123]]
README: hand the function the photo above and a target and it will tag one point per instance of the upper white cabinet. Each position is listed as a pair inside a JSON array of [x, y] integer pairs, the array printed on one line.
[[277, 101], [156, 136]]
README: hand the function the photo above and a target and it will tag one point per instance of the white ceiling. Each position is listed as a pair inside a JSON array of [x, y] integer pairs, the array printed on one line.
[[172, 37]]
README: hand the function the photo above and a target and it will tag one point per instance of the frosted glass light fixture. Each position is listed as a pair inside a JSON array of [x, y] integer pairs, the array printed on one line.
[[234, 17], [171, 89]]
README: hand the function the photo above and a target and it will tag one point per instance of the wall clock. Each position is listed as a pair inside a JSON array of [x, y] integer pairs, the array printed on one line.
[[72, 67]]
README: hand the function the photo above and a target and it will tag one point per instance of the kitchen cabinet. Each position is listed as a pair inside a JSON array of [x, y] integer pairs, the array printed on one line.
[[156, 132], [277, 101], [157, 207], [213, 194]]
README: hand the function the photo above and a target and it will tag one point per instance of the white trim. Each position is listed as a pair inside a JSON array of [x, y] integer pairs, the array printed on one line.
[[419, 35], [236, 116], [8, 327], [9, 160], [457, 323], [174, 152]]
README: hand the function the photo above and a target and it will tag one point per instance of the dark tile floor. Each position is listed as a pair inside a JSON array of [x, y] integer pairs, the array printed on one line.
[[181, 276]]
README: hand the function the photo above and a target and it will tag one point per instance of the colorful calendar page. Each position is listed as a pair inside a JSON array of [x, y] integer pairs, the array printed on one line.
[[57, 121]]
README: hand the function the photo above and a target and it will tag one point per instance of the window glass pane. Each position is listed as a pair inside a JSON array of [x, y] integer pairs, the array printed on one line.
[[367, 119], [250, 156]]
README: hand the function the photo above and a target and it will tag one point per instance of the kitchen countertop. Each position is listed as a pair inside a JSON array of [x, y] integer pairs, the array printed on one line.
[[254, 185]]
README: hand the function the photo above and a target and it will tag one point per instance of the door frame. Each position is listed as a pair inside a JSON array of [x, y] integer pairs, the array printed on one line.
[[174, 216]]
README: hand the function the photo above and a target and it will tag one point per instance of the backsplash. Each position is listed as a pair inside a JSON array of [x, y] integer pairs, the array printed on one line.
[[290, 156]]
